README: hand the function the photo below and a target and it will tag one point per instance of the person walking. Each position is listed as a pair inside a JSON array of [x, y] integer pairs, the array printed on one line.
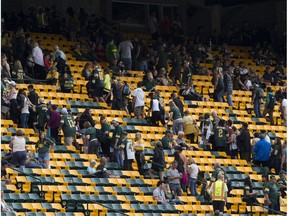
[[174, 177], [190, 127], [269, 106], [218, 192], [175, 116], [139, 155], [193, 171], [243, 143]]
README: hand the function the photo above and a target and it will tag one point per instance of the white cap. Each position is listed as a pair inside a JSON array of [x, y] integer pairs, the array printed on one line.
[[92, 161], [41, 101], [12, 83], [115, 120], [64, 111]]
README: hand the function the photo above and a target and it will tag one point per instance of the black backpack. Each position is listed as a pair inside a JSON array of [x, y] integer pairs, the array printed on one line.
[[272, 102]]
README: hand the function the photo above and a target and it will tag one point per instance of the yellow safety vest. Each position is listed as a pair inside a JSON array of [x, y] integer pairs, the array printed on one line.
[[218, 188]]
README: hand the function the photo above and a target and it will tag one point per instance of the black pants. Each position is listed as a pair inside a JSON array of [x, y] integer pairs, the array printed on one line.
[[191, 137], [220, 148], [105, 145], [93, 147], [140, 159], [261, 163], [157, 116], [128, 164], [218, 205], [54, 134], [14, 112], [40, 72]]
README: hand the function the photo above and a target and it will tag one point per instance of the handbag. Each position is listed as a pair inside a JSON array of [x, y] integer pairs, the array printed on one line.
[[184, 178]]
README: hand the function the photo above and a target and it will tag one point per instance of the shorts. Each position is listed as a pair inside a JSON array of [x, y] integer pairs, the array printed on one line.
[[43, 156], [98, 92], [123, 103], [157, 168], [138, 111], [19, 158], [68, 140]]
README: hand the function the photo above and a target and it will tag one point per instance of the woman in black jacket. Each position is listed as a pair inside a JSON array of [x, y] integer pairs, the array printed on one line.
[[276, 155], [249, 196], [158, 162], [85, 116]]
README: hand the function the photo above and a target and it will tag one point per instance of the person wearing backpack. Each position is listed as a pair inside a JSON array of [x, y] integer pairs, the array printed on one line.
[[257, 96], [269, 106]]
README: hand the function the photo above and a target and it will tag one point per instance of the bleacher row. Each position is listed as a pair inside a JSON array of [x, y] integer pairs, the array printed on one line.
[[67, 189]]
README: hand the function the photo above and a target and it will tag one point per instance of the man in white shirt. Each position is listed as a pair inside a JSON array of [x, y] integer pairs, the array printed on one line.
[[57, 50], [283, 109], [193, 176], [138, 101], [125, 48], [159, 193], [40, 71], [174, 179]]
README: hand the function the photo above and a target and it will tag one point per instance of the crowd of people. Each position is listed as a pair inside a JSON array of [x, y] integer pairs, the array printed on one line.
[[161, 62]]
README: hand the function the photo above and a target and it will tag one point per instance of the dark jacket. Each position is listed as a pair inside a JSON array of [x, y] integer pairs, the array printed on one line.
[[158, 158], [243, 141], [86, 117]]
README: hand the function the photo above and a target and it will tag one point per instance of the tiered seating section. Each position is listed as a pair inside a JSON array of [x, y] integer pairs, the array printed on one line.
[[67, 189]]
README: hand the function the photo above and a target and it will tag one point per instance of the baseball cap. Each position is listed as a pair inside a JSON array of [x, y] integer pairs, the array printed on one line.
[[282, 172], [207, 115], [41, 101], [64, 111], [115, 120], [92, 161], [272, 176], [168, 131]]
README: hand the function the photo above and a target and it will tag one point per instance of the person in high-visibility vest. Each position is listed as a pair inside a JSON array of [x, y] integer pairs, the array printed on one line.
[[218, 192]]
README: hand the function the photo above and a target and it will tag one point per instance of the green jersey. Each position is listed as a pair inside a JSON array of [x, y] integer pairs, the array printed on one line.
[[105, 127], [99, 78], [110, 49], [92, 132], [43, 147], [220, 135], [166, 142], [272, 191], [68, 84], [68, 125], [187, 75], [282, 181], [163, 57], [176, 62], [176, 113], [117, 133], [42, 115]]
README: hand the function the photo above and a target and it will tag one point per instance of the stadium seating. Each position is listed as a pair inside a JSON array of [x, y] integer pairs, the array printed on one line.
[[67, 189]]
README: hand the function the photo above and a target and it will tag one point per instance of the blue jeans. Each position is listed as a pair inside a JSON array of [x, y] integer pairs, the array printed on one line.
[[24, 117], [118, 156], [220, 95], [193, 187], [143, 65], [177, 126], [127, 63], [257, 103], [229, 100]]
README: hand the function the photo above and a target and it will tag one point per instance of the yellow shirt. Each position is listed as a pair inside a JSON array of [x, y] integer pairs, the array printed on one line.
[[139, 145], [189, 126]]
